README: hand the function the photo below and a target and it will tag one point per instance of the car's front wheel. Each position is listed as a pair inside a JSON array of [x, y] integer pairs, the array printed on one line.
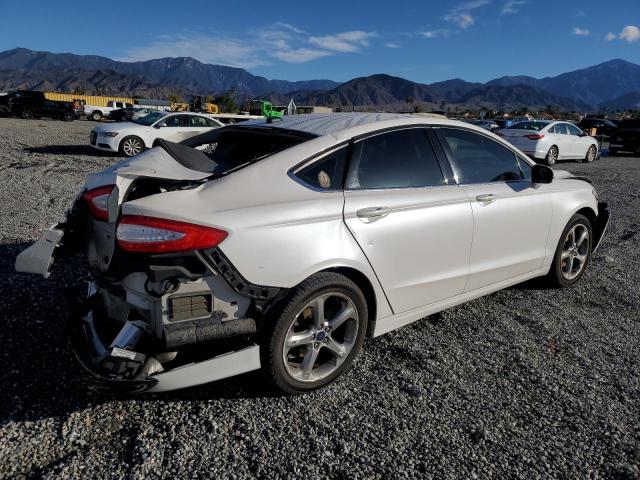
[[317, 334], [573, 253], [591, 155], [96, 116], [27, 114], [131, 146]]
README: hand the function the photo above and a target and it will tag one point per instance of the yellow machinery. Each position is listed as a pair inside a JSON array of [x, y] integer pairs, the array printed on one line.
[[210, 108], [179, 107], [95, 100]]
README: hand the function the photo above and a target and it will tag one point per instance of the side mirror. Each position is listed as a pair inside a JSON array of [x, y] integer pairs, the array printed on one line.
[[541, 174]]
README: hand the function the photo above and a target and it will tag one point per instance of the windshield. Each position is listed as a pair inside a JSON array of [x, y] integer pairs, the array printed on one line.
[[536, 126], [224, 150], [149, 119]]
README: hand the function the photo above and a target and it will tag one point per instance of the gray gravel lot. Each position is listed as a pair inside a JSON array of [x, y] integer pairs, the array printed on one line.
[[525, 383]]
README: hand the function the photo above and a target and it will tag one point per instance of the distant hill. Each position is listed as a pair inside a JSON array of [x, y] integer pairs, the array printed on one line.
[[581, 90], [628, 101], [592, 85], [390, 92], [185, 73]]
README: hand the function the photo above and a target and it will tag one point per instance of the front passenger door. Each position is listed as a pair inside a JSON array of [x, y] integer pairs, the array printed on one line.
[[511, 215], [414, 227]]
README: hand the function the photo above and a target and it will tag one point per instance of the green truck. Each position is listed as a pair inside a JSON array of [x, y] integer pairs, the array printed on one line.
[[265, 108]]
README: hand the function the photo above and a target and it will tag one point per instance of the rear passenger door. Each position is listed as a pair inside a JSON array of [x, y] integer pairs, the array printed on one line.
[[413, 225], [511, 215]]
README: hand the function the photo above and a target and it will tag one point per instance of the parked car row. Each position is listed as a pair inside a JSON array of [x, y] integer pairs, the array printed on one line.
[[31, 104]]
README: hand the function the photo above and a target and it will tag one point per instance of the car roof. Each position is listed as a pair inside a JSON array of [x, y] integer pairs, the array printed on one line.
[[343, 124]]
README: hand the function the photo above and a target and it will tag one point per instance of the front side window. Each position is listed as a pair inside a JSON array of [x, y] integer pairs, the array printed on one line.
[[397, 159], [327, 173], [573, 130], [478, 159]]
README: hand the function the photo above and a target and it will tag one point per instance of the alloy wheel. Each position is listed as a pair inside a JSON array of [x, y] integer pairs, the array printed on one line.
[[131, 147], [575, 251], [320, 337], [591, 154]]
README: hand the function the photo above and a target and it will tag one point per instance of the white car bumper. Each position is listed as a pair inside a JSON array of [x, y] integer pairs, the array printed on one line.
[[101, 142]]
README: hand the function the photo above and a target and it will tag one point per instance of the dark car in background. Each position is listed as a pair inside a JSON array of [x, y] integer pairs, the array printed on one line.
[[603, 126], [31, 104], [626, 137]]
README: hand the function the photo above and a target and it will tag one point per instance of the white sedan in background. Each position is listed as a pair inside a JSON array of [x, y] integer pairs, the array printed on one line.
[[132, 138], [551, 141]]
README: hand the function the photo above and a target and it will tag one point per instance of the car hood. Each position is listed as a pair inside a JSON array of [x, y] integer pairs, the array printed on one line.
[[128, 127]]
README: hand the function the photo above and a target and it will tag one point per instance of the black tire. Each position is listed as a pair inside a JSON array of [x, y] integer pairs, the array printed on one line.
[[126, 147], [68, 117], [96, 116], [592, 154], [556, 278], [276, 329], [552, 155], [27, 114]]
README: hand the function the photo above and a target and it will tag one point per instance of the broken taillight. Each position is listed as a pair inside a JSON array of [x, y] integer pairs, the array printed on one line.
[[141, 234], [97, 201]]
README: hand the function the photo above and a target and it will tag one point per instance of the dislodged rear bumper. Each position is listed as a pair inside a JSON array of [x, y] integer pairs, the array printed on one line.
[[89, 351]]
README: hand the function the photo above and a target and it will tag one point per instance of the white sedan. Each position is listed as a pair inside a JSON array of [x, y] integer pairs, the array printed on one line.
[[284, 245], [132, 138], [551, 141]]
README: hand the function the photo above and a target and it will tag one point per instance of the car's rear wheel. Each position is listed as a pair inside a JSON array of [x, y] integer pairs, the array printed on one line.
[[96, 116], [573, 253], [591, 155], [68, 117], [552, 155], [317, 334], [131, 146], [27, 114]]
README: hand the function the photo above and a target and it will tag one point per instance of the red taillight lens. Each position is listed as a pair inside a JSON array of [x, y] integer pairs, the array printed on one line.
[[142, 234], [97, 201], [535, 136]]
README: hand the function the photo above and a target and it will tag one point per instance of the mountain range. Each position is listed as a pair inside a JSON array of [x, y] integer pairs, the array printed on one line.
[[614, 84]]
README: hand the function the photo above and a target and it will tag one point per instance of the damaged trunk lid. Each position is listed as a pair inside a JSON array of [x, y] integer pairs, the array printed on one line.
[[152, 172]]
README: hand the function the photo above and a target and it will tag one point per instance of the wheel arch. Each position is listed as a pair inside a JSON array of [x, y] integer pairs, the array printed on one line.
[[365, 285]]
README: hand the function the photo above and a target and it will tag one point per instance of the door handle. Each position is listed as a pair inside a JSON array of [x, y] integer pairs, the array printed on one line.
[[486, 198], [373, 213]]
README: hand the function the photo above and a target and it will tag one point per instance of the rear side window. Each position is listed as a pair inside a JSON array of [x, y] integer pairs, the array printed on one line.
[[327, 173], [478, 159], [397, 159]]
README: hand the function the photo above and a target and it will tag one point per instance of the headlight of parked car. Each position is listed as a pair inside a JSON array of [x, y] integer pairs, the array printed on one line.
[[109, 134]]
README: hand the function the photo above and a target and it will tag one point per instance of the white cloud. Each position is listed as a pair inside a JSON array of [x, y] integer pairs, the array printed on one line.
[[391, 45], [282, 42], [217, 50], [461, 14], [436, 33], [343, 42], [610, 36], [582, 32], [512, 6], [300, 55], [630, 33]]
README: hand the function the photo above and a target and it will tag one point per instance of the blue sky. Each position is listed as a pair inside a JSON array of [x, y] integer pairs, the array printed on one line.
[[425, 41]]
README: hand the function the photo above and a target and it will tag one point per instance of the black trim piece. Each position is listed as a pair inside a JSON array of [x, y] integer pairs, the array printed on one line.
[[239, 284], [441, 155], [199, 330], [584, 179], [602, 221]]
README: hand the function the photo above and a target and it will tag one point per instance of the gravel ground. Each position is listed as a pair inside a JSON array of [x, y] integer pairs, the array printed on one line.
[[526, 383]]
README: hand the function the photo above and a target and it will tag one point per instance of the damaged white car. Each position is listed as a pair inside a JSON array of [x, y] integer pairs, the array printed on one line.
[[284, 245]]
